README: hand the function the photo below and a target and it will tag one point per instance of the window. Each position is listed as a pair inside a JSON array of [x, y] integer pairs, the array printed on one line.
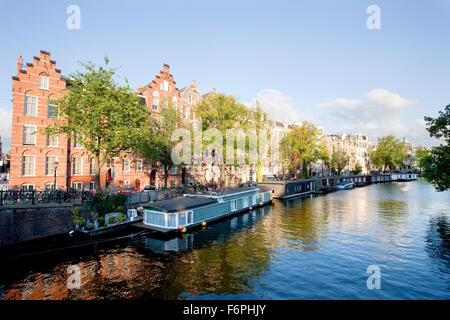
[[173, 170], [27, 187], [126, 165], [49, 186], [190, 98], [77, 186], [165, 103], [138, 165], [125, 182], [184, 113], [28, 165], [161, 86], [155, 103], [43, 83], [50, 165], [173, 183], [233, 205], [76, 165], [92, 166], [245, 202], [29, 135], [76, 142], [52, 140], [174, 100], [166, 85], [192, 115], [30, 106], [92, 185], [52, 110]]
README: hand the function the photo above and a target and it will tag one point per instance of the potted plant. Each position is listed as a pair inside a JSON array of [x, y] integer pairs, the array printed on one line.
[[89, 226], [101, 221], [120, 218], [111, 220]]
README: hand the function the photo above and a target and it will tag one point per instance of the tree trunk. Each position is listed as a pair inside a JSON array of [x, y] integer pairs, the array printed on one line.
[[166, 176], [97, 173]]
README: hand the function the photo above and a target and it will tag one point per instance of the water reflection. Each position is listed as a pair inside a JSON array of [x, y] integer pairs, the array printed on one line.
[[438, 241], [313, 247]]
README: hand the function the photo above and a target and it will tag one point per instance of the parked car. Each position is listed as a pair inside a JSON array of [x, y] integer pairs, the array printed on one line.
[[128, 189], [345, 185]]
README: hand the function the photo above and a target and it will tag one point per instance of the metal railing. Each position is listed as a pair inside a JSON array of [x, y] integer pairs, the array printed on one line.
[[12, 197]]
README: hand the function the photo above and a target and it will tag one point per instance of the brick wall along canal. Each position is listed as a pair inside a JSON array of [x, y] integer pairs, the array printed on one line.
[[314, 248]]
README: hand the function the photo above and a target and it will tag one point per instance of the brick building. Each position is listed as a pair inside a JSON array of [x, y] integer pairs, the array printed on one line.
[[36, 156]]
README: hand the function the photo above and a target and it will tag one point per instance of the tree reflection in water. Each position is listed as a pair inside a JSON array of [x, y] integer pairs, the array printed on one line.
[[438, 241]]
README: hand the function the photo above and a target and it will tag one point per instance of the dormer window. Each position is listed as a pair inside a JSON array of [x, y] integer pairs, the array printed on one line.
[[43, 83]]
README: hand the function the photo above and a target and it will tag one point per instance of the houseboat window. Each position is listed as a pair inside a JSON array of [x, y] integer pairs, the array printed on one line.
[[233, 205], [190, 217], [245, 202], [172, 220]]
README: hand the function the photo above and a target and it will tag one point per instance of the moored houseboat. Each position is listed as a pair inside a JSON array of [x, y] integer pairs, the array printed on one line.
[[285, 189], [201, 208]]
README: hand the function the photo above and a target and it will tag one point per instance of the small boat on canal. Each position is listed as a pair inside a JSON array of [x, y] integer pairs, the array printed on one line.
[[345, 185], [199, 209]]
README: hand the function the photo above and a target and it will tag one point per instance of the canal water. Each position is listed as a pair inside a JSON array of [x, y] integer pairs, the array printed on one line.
[[311, 248]]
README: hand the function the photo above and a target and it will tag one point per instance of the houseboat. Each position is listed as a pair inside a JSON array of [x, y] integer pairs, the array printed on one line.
[[197, 209], [345, 185], [285, 189]]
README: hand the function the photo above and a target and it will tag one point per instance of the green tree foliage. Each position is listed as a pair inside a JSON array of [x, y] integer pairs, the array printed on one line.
[[157, 147], [260, 121], [107, 118], [420, 156], [436, 164], [303, 145], [223, 112], [358, 168], [389, 153], [339, 160]]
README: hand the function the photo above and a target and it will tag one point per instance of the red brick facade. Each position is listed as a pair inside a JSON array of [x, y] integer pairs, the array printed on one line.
[[33, 156]]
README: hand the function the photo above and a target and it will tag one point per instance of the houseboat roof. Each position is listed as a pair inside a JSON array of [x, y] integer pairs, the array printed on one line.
[[180, 204]]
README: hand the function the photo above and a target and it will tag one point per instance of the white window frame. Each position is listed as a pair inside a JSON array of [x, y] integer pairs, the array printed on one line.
[[33, 136], [92, 166], [48, 140], [126, 168], [81, 166], [52, 105], [47, 165], [27, 185], [233, 205], [77, 183], [155, 103], [173, 170], [91, 185], [166, 85], [34, 106], [49, 186], [125, 182], [139, 167], [33, 166], [173, 183], [44, 82]]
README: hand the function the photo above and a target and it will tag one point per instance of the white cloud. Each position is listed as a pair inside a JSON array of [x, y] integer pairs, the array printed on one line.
[[381, 113], [278, 106], [5, 127]]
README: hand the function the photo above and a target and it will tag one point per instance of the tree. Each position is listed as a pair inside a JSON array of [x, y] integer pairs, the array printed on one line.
[[389, 153], [259, 120], [436, 164], [303, 145], [339, 160], [105, 117], [157, 147], [358, 168], [222, 112], [420, 156]]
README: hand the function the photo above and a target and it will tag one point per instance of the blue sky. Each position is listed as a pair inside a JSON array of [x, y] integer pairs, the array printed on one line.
[[313, 60]]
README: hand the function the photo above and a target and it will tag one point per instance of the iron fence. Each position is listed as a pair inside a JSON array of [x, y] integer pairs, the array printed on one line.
[[11, 197]]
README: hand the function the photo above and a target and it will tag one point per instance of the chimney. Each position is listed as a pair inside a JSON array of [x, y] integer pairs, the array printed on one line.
[[19, 64], [193, 82], [214, 90]]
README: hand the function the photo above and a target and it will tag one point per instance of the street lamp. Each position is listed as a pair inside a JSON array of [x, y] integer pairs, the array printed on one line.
[[55, 165]]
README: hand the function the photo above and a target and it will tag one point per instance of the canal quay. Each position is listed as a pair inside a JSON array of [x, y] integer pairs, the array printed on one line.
[[315, 247]]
